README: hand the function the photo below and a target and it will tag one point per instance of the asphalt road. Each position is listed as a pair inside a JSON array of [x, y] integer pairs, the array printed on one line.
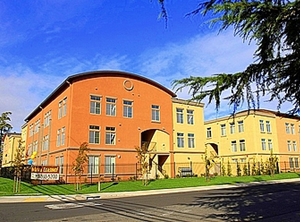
[[273, 202]]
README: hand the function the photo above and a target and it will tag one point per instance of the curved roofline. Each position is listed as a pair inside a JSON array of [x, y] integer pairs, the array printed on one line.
[[93, 74]]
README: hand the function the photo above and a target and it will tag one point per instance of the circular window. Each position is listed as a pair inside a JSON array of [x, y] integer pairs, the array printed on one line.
[[128, 85]]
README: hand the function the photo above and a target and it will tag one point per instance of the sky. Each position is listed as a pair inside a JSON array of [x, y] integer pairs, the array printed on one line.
[[44, 42]]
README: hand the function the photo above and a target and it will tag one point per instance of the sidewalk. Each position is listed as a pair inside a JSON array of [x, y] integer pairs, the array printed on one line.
[[108, 195]]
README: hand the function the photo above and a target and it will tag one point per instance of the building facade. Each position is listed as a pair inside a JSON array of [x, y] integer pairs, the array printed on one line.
[[114, 112], [255, 135], [10, 146]]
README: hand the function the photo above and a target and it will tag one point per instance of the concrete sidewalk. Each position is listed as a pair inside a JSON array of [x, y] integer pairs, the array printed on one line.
[[108, 195]]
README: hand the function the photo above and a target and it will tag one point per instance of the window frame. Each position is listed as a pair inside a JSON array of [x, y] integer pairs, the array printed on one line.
[[94, 134]]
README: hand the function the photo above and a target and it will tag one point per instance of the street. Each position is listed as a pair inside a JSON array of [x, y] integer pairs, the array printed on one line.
[[273, 202]]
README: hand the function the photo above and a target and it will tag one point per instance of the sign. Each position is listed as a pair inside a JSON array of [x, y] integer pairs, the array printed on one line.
[[45, 173]]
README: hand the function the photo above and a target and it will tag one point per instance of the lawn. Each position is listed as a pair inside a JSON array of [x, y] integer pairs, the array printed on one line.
[[6, 185]]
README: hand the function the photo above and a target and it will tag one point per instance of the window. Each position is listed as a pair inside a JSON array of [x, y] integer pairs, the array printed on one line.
[[292, 128], [291, 162], [31, 130], [93, 165], [242, 145], [128, 109], [95, 104], [268, 126], [261, 125], [190, 119], [289, 146], [180, 140], [58, 137], [45, 143], [47, 118], [232, 128], [180, 115], [111, 107], [94, 134], [155, 113], [233, 146], [59, 161], [110, 165], [209, 133], [110, 135], [294, 146], [296, 162], [35, 146], [263, 144], [62, 108], [37, 126], [63, 136], [287, 128], [190, 140], [44, 162], [240, 126], [223, 129], [270, 144]]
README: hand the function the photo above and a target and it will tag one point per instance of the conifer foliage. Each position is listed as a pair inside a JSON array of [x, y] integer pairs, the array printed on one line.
[[274, 25]]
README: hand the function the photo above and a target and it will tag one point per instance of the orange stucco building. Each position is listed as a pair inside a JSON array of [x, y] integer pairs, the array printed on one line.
[[111, 110]]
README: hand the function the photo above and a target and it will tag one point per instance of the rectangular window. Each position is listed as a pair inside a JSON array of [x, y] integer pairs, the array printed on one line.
[[263, 144], [191, 140], [190, 118], [110, 107], [232, 128], [240, 126], [110, 135], [242, 145], [155, 113], [294, 146], [93, 165], [60, 110], [44, 162], [287, 128], [270, 144], [59, 161], [94, 134], [31, 130], [110, 165], [292, 128], [128, 109], [209, 133], [37, 126], [95, 102], [35, 146], [289, 146], [268, 126], [291, 162], [233, 146], [58, 137], [64, 107], [45, 143], [261, 125], [63, 136], [296, 162], [180, 116], [180, 140], [47, 119], [223, 129]]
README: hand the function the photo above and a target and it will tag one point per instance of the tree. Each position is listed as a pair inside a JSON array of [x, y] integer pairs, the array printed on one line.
[[143, 158], [274, 26], [18, 166], [5, 127], [78, 165]]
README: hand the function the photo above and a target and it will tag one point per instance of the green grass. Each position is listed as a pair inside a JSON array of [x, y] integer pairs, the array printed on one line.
[[6, 185]]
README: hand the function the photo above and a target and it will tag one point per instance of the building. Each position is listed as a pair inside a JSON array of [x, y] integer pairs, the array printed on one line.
[[255, 135], [10, 146], [115, 112]]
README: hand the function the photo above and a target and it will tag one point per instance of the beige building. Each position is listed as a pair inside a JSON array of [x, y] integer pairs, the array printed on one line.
[[252, 136], [10, 146]]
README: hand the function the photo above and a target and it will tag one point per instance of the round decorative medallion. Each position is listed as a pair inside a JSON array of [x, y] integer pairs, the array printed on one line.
[[128, 85]]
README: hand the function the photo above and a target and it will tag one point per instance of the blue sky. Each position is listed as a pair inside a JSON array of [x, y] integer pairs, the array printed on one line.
[[44, 42]]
